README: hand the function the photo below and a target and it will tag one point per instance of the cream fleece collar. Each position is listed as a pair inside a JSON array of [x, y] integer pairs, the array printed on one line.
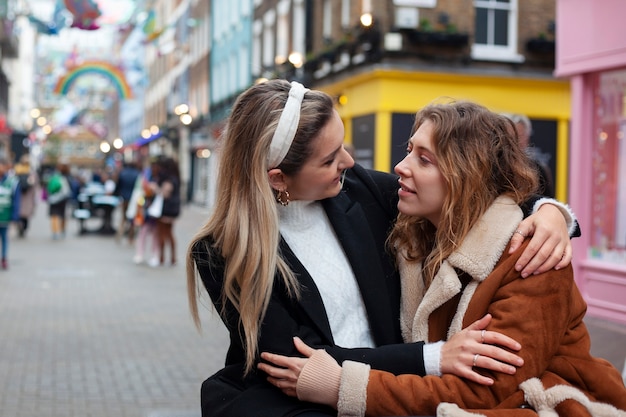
[[477, 255]]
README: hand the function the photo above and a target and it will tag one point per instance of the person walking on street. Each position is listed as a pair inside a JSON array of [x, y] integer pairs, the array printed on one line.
[[124, 187], [28, 189], [9, 206], [58, 194], [145, 244], [168, 186], [524, 129]]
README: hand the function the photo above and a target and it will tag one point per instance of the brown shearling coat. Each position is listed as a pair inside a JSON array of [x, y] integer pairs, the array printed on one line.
[[544, 313]]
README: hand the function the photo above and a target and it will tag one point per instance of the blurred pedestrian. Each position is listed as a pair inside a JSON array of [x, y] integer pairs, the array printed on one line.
[[524, 129], [108, 183], [124, 187], [9, 206], [28, 183], [168, 186], [59, 193], [145, 244]]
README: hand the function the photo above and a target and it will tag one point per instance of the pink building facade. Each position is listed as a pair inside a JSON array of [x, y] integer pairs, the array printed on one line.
[[591, 52]]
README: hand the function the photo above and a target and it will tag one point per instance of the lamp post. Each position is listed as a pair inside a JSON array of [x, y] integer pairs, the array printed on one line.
[[38, 131]]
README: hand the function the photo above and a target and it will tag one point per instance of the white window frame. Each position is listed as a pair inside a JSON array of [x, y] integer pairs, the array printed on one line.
[[246, 8], [282, 32], [234, 14], [219, 28], [243, 65], [345, 14], [506, 53], [416, 3], [298, 35], [257, 46], [327, 28], [269, 20]]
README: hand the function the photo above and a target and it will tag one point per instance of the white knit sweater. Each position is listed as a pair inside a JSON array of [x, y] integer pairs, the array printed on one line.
[[307, 230]]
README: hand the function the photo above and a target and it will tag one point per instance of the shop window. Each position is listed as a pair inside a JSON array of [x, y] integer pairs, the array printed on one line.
[[608, 199], [543, 149], [363, 139], [401, 125]]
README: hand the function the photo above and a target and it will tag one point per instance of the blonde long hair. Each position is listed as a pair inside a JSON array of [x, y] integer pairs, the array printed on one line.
[[243, 228], [479, 156]]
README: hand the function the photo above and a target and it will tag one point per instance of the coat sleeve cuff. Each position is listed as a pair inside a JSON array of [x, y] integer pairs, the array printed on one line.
[[353, 390], [432, 358], [319, 380]]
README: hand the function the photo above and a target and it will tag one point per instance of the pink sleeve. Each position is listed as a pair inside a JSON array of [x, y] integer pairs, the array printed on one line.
[[319, 380]]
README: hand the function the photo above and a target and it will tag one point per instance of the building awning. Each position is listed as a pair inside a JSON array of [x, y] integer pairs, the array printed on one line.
[[144, 141]]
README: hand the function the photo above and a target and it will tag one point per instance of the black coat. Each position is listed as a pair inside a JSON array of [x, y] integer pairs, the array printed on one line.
[[171, 204], [361, 216]]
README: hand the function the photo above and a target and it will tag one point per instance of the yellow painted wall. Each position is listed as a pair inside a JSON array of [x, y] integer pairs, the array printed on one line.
[[383, 92]]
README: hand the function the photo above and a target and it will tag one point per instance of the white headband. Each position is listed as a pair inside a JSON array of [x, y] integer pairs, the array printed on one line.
[[287, 125]]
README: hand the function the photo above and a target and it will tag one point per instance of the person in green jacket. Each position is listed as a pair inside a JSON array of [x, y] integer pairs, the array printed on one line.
[[9, 206], [59, 192]]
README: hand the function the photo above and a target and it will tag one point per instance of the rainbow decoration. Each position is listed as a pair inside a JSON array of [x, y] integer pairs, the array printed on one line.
[[104, 68]]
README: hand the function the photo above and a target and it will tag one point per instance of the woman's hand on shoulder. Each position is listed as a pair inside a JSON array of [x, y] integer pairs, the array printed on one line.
[[550, 245]]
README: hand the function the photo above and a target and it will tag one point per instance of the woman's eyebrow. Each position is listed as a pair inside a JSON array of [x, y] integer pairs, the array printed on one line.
[[333, 153]]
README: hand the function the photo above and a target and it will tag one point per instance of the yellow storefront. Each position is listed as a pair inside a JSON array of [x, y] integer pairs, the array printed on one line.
[[378, 107]]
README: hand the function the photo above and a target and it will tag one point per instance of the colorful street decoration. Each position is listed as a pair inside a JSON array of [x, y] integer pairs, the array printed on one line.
[[85, 13], [150, 29], [106, 69], [54, 26]]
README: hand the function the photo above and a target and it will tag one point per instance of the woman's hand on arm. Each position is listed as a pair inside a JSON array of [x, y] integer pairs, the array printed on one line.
[[550, 245], [458, 354], [153, 187], [476, 347], [284, 371]]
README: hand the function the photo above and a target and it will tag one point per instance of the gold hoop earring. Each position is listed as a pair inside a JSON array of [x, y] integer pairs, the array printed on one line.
[[283, 197]]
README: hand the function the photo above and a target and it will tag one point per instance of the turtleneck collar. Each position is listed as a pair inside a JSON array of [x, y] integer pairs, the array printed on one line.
[[301, 213]]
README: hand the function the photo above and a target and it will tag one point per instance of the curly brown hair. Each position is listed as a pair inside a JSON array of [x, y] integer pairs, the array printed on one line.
[[479, 156]]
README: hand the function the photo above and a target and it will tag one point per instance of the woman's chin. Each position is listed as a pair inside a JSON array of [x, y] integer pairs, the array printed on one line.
[[407, 208]]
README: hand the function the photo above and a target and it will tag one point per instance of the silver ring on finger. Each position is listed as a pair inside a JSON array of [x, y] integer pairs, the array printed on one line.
[[519, 232], [475, 359], [482, 336]]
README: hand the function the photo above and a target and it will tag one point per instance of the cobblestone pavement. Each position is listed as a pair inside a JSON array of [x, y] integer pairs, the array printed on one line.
[[84, 332]]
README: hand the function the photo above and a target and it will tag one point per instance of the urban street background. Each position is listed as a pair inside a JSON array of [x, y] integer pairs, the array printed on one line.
[[87, 333]]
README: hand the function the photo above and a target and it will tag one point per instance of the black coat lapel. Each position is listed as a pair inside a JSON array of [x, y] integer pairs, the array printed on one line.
[[352, 228], [310, 300]]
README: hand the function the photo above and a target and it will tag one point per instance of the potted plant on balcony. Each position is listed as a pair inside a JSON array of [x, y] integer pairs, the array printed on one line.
[[540, 44], [426, 34]]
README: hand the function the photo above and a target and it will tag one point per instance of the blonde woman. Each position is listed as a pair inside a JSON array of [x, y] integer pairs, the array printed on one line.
[[295, 247]]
